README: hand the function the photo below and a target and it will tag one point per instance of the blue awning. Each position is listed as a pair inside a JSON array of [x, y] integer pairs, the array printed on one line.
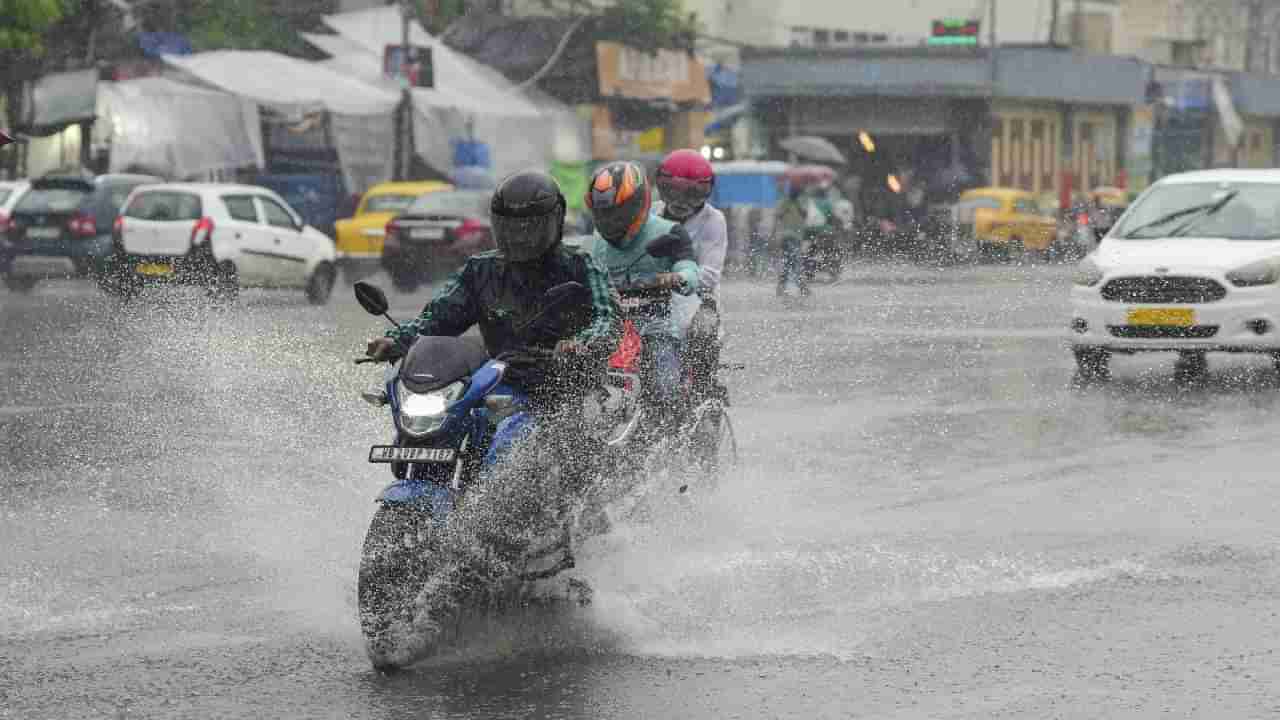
[[724, 119]]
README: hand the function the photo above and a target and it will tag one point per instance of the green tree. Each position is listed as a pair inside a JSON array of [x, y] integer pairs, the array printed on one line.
[[25, 23]]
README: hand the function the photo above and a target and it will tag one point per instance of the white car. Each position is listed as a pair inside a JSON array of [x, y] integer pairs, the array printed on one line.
[[223, 237], [1192, 267]]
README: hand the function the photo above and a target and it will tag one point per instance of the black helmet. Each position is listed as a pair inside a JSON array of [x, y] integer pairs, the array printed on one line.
[[527, 215]]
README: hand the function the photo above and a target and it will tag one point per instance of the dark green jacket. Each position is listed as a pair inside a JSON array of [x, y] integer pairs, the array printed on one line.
[[499, 296]]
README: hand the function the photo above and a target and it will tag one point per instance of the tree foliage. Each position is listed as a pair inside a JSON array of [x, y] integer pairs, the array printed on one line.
[[651, 24], [23, 24]]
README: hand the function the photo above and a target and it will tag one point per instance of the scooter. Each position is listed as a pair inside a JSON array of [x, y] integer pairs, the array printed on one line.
[[441, 543]]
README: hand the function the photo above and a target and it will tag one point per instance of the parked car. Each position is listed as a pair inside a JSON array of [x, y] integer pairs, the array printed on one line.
[[1192, 268], [222, 237], [361, 236], [1001, 221], [436, 234], [62, 226]]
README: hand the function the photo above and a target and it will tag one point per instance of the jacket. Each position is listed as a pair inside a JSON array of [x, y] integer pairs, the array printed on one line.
[[632, 260], [500, 296], [709, 232]]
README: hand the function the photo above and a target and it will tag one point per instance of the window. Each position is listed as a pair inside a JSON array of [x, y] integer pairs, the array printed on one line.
[[457, 203], [240, 207], [821, 37], [388, 203], [277, 216], [52, 199], [842, 36], [165, 207], [1026, 207]]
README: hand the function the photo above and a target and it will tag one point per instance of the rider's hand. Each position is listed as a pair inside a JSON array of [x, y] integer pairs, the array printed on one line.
[[570, 347], [670, 281], [380, 348]]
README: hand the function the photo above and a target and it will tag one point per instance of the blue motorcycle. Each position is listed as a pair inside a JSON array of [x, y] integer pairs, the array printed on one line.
[[443, 543]]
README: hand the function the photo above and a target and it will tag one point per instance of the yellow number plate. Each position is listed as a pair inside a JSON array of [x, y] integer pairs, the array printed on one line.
[[1170, 317], [155, 269]]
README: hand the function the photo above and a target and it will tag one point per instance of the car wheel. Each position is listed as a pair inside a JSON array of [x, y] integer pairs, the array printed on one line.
[[320, 286], [225, 287], [1093, 364], [20, 283]]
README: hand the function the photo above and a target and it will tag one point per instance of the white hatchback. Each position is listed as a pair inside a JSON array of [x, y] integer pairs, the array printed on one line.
[[223, 237], [1192, 267]]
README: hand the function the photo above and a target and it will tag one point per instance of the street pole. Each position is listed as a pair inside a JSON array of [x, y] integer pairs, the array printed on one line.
[[991, 40], [1077, 25], [406, 108]]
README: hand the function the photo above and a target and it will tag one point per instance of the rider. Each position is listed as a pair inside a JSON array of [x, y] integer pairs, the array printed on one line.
[[498, 290], [685, 180], [620, 200]]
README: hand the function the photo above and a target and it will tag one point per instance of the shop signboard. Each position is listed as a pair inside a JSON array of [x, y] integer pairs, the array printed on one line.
[[668, 75], [955, 32]]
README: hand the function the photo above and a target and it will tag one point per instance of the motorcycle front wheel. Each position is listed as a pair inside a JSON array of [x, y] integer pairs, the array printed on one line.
[[393, 568]]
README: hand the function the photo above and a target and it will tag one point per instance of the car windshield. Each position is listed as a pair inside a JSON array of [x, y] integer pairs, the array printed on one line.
[[53, 199], [4, 195], [463, 204], [388, 203], [1234, 211]]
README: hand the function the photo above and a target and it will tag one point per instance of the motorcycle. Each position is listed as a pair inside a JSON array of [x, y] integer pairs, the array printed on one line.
[[703, 437], [442, 544]]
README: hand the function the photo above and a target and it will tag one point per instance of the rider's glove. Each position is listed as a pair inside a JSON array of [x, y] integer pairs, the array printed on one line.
[[381, 348]]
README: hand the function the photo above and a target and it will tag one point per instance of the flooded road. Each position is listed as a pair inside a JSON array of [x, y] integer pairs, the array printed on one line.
[[930, 520]]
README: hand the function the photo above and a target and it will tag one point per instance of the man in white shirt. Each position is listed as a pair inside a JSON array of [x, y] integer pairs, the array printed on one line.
[[685, 180]]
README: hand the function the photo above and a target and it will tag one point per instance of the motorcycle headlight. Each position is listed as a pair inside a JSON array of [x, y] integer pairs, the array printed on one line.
[[1087, 273], [425, 413], [1263, 272]]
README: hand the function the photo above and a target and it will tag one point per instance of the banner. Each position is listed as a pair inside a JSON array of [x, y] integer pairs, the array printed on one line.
[[663, 75], [1142, 130], [573, 181]]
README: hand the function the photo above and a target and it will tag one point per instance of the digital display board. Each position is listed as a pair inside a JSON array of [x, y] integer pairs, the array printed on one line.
[[955, 32]]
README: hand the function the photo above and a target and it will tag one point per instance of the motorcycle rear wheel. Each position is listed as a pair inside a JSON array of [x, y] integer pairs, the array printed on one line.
[[393, 569]]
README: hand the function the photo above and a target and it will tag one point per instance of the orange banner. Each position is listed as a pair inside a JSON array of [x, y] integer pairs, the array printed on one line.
[[665, 75]]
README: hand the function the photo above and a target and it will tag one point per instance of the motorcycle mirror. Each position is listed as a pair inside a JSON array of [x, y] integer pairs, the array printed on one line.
[[371, 298]]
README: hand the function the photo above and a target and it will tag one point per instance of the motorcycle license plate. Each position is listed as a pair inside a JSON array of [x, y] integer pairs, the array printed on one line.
[[1168, 317], [391, 453], [155, 269], [426, 233]]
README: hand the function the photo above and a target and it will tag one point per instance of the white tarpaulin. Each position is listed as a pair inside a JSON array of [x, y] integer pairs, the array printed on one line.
[[175, 129], [469, 101], [361, 113]]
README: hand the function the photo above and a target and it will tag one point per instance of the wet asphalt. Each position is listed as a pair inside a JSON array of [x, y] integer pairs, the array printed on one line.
[[929, 519]]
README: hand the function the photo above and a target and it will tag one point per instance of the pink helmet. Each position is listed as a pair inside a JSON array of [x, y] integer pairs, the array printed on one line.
[[685, 180]]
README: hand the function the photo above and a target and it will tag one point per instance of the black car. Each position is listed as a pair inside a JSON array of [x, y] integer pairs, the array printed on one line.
[[435, 236], [62, 226]]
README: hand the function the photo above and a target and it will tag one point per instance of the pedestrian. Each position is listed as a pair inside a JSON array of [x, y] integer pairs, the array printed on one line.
[[793, 213]]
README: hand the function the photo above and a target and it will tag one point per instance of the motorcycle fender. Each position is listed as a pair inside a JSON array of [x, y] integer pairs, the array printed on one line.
[[405, 491]]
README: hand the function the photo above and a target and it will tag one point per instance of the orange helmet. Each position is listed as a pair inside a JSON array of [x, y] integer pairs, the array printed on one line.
[[619, 198]]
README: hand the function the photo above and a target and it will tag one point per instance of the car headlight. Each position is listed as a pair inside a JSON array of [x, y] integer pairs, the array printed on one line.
[[1263, 272], [1087, 273], [425, 413]]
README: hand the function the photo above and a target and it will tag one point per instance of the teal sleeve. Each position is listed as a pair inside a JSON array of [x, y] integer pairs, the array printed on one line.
[[603, 317], [450, 311], [687, 269]]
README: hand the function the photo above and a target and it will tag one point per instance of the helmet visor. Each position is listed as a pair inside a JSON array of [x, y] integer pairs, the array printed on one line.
[[683, 197], [522, 239]]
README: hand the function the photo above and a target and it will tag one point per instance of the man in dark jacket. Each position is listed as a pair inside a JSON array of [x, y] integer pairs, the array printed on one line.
[[501, 290]]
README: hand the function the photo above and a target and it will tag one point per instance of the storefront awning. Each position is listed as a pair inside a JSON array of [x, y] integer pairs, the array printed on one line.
[[1062, 76], [801, 73], [1019, 73]]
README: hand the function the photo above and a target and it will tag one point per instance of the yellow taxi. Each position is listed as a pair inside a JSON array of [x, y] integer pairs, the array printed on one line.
[[1006, 220], [360, 236]]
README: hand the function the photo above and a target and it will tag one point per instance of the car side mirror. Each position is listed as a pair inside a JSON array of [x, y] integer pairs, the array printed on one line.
[[371, 298]]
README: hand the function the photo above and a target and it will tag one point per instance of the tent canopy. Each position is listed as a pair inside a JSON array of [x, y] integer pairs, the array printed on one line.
[[176, 129], [470, 101], [286, 84]]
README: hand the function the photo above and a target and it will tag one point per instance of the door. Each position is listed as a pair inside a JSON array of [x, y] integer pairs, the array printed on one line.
[[246, 233], [289, 250]]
